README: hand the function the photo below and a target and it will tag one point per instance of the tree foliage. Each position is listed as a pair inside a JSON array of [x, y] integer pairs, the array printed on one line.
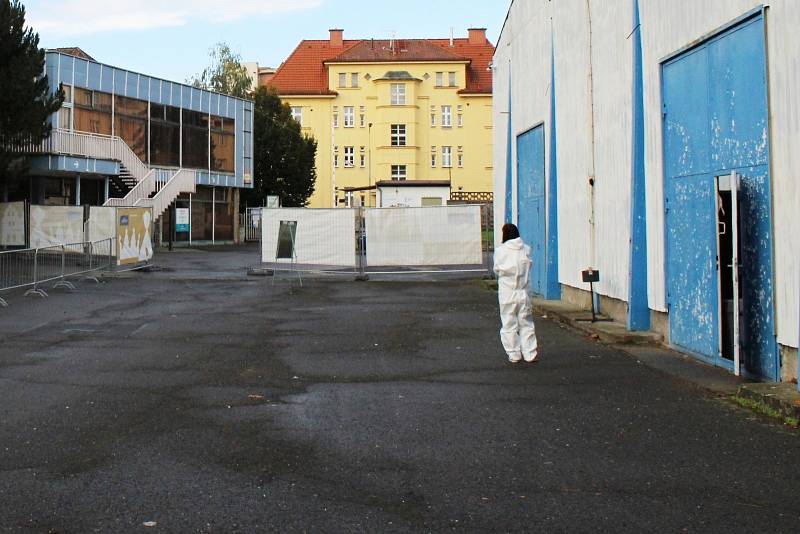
[[225, 75], [283, 158], [26, 101]]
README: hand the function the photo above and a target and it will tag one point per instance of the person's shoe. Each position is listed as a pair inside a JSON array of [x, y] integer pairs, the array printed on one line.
[[533, 359], [514, 360]]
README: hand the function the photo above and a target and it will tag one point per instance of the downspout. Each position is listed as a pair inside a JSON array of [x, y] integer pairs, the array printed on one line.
[[638, 308], [509, 215], [552, 286]]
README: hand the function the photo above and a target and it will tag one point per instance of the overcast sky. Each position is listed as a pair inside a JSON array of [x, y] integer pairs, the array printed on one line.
[[171, 38]]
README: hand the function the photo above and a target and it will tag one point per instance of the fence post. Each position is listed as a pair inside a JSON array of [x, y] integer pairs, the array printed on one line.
[[361, 245], [35, 289]]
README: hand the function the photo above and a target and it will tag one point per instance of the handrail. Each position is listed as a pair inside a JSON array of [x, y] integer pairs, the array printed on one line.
[[141, 190], [183, 181]]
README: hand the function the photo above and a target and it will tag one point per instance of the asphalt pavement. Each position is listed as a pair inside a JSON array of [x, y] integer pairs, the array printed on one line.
[[198, 399]]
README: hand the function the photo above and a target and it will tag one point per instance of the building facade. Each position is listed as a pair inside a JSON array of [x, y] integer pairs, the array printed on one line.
[[629, 135], [402, 110], [121, 137]]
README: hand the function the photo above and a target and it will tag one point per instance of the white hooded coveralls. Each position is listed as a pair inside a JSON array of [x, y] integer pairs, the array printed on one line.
[[512, 265]]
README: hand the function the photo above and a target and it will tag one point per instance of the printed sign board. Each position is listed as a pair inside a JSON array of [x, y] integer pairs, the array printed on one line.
[[134, 242], [287, 232], [181, 219]]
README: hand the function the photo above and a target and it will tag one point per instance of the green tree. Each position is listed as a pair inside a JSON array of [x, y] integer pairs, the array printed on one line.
[[225, 75], [283, 158], [26, 101]]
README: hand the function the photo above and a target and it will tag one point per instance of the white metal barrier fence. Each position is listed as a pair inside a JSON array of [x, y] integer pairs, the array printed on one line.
[[379, 241], [34, 267]]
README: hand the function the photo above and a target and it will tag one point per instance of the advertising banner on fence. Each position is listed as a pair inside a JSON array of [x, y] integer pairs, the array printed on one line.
[[12, 224], [181, 219], [56, 225], [102, 223], [134, 235]]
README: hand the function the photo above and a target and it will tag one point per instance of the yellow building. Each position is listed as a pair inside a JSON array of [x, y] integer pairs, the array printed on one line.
[[415, 110]]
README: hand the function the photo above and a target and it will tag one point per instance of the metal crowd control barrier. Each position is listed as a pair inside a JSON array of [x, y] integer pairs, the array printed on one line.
[[56, 263]]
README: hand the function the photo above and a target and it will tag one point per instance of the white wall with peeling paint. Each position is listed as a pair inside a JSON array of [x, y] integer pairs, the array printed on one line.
[[667, 27]]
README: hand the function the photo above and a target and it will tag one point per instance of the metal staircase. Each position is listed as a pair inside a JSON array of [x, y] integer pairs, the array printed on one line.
[[140, 184]]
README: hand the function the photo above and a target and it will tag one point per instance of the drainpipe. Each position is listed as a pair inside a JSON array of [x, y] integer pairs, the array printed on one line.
[[591, 180]]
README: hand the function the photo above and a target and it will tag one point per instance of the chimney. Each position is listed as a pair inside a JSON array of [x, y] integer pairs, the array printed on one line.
[[337, 38], [477, 36]]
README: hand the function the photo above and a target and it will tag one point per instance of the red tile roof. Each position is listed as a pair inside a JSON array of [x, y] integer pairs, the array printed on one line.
[[305, 72]]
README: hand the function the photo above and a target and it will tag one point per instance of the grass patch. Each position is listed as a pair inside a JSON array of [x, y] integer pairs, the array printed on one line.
[[764, 409]]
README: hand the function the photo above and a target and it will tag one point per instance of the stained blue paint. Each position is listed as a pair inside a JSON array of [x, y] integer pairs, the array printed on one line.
[[531, 210], [715, 122], [552, 289], [509, 216], [638, 309]]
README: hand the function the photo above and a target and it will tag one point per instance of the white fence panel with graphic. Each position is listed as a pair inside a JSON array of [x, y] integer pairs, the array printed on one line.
[[55, 225], [102, 223], [325, 237], [442, 235], [12, 224]]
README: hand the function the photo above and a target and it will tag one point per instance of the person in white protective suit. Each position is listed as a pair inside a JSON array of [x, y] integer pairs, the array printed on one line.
[[512, 265]]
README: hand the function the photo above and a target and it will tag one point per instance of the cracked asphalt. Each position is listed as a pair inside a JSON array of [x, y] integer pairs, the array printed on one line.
[[223, 403]]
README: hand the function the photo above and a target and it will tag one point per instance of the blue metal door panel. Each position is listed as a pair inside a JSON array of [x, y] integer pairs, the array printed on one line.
[[531, 202], [692, 270], [759, 345], [715, 122], [686, 124], [737, 98]]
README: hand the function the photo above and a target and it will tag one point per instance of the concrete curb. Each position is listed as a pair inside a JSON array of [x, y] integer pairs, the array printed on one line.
[[783, 398]]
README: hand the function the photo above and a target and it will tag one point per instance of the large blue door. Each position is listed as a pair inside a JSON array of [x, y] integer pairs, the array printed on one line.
[[715, 122], [531, 206]]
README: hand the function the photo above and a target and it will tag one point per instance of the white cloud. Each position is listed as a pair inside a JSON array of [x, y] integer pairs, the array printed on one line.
[[81, 17]]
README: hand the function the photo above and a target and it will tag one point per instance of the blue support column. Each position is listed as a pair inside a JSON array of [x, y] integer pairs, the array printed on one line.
[[552, 287], [509, 214], [638, 309]]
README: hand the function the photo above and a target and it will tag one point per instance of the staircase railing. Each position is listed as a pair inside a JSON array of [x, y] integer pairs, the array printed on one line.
[[184, 181], [93, 146]]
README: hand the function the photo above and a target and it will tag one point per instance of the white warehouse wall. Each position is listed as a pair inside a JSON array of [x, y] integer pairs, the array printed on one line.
[[666, 27]]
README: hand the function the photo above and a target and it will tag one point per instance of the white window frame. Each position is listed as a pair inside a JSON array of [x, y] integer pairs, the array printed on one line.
[[362, 160], [297, 114], [349, 157], [397, 135], [451, 79], [460, 120], [447, 116], [399, 173], [354, 80], [349, 116], [447, 157], [460, 160], [439, 79], [433, 157], [342, 79], [335, 119], [398, 94]]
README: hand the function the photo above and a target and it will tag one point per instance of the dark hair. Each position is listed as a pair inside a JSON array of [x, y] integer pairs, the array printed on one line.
[[510, 231]]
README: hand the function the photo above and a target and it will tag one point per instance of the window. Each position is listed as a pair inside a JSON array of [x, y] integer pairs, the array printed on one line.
[[398, 94], [354, 79], [446, 117], [433, 116], [362, 120], [433, 157], [451, 79], [335, 119], [460, 120], [297, 114], [398, 135], [460, 159], [439, 79], [447, 156], [363, 160], [342, 79], [399, 172], [349, 117], [223, 143], [335, 160], [349, 156]]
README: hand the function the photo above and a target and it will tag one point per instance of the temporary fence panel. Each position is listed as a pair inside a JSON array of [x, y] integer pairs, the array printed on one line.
[[54, 225], [251, 223], [102, 223], [134, 235], [325, 237], [12, 224], [431, 236]]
